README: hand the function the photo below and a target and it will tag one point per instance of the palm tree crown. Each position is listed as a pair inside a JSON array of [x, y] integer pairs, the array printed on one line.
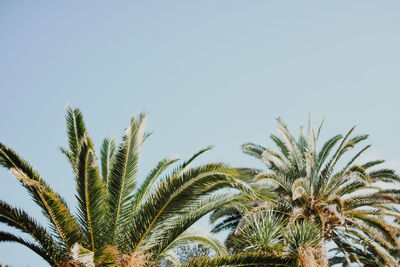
[[118, 221], [313, 185]]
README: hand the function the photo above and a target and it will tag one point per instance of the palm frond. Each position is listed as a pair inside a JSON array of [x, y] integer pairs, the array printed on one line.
[[372, 163], [377, 246], [175, 192], [122, 180], [253, 150], [162, 232], [199, 236], [375, 227], [294, 150], [326, 149], [371, 199], [247, 174], [20, 220], [90, 196], [281, 145], [76, 129], [230, 222], [8, 237], [144, 189], [227, 210], [54, 208], [384, 175], [345, 145], [107, 154]]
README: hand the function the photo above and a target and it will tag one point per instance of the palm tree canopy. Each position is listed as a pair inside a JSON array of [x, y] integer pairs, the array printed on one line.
[[118, 220], [316, 184]]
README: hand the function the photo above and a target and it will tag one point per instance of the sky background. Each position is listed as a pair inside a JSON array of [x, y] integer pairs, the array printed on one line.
[[209, 72]]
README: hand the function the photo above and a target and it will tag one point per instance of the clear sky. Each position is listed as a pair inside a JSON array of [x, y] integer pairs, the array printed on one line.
[[210, 72]]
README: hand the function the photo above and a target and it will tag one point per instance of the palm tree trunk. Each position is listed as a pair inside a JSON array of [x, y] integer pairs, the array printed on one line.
[[306, 256], [320, 254]]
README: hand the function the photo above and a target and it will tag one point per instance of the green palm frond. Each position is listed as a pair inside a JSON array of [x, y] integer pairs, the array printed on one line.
[[163, 232], [280, 144], [294, 149], [76, 129], [326, 149], [144, 189], [54, 208], [379, 249], [247, 174], [375, 227], [195, 235], [348, 254], [384, 175], [8, 237], [253, 150], [107, 156], [186, 163], [230, 222], [122, 180], [20, 220], [373, 163], [227, 210], [90, 196], [174, 193], [326, 172], [370, 200]]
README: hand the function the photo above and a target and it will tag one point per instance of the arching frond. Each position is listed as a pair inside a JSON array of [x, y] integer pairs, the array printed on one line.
[[174, 193], [20, 220], [144, 189], [170, 228], [8, 237], [253, 150], [230, 222], [53, 207], [384, 175], [196, 235], [375, 228]]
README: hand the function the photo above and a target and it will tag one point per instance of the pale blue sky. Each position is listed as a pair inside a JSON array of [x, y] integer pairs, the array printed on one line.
[[210, 72]]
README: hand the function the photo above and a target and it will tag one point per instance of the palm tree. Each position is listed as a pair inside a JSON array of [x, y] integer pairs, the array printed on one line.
[[315, 186], [119, 222]]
